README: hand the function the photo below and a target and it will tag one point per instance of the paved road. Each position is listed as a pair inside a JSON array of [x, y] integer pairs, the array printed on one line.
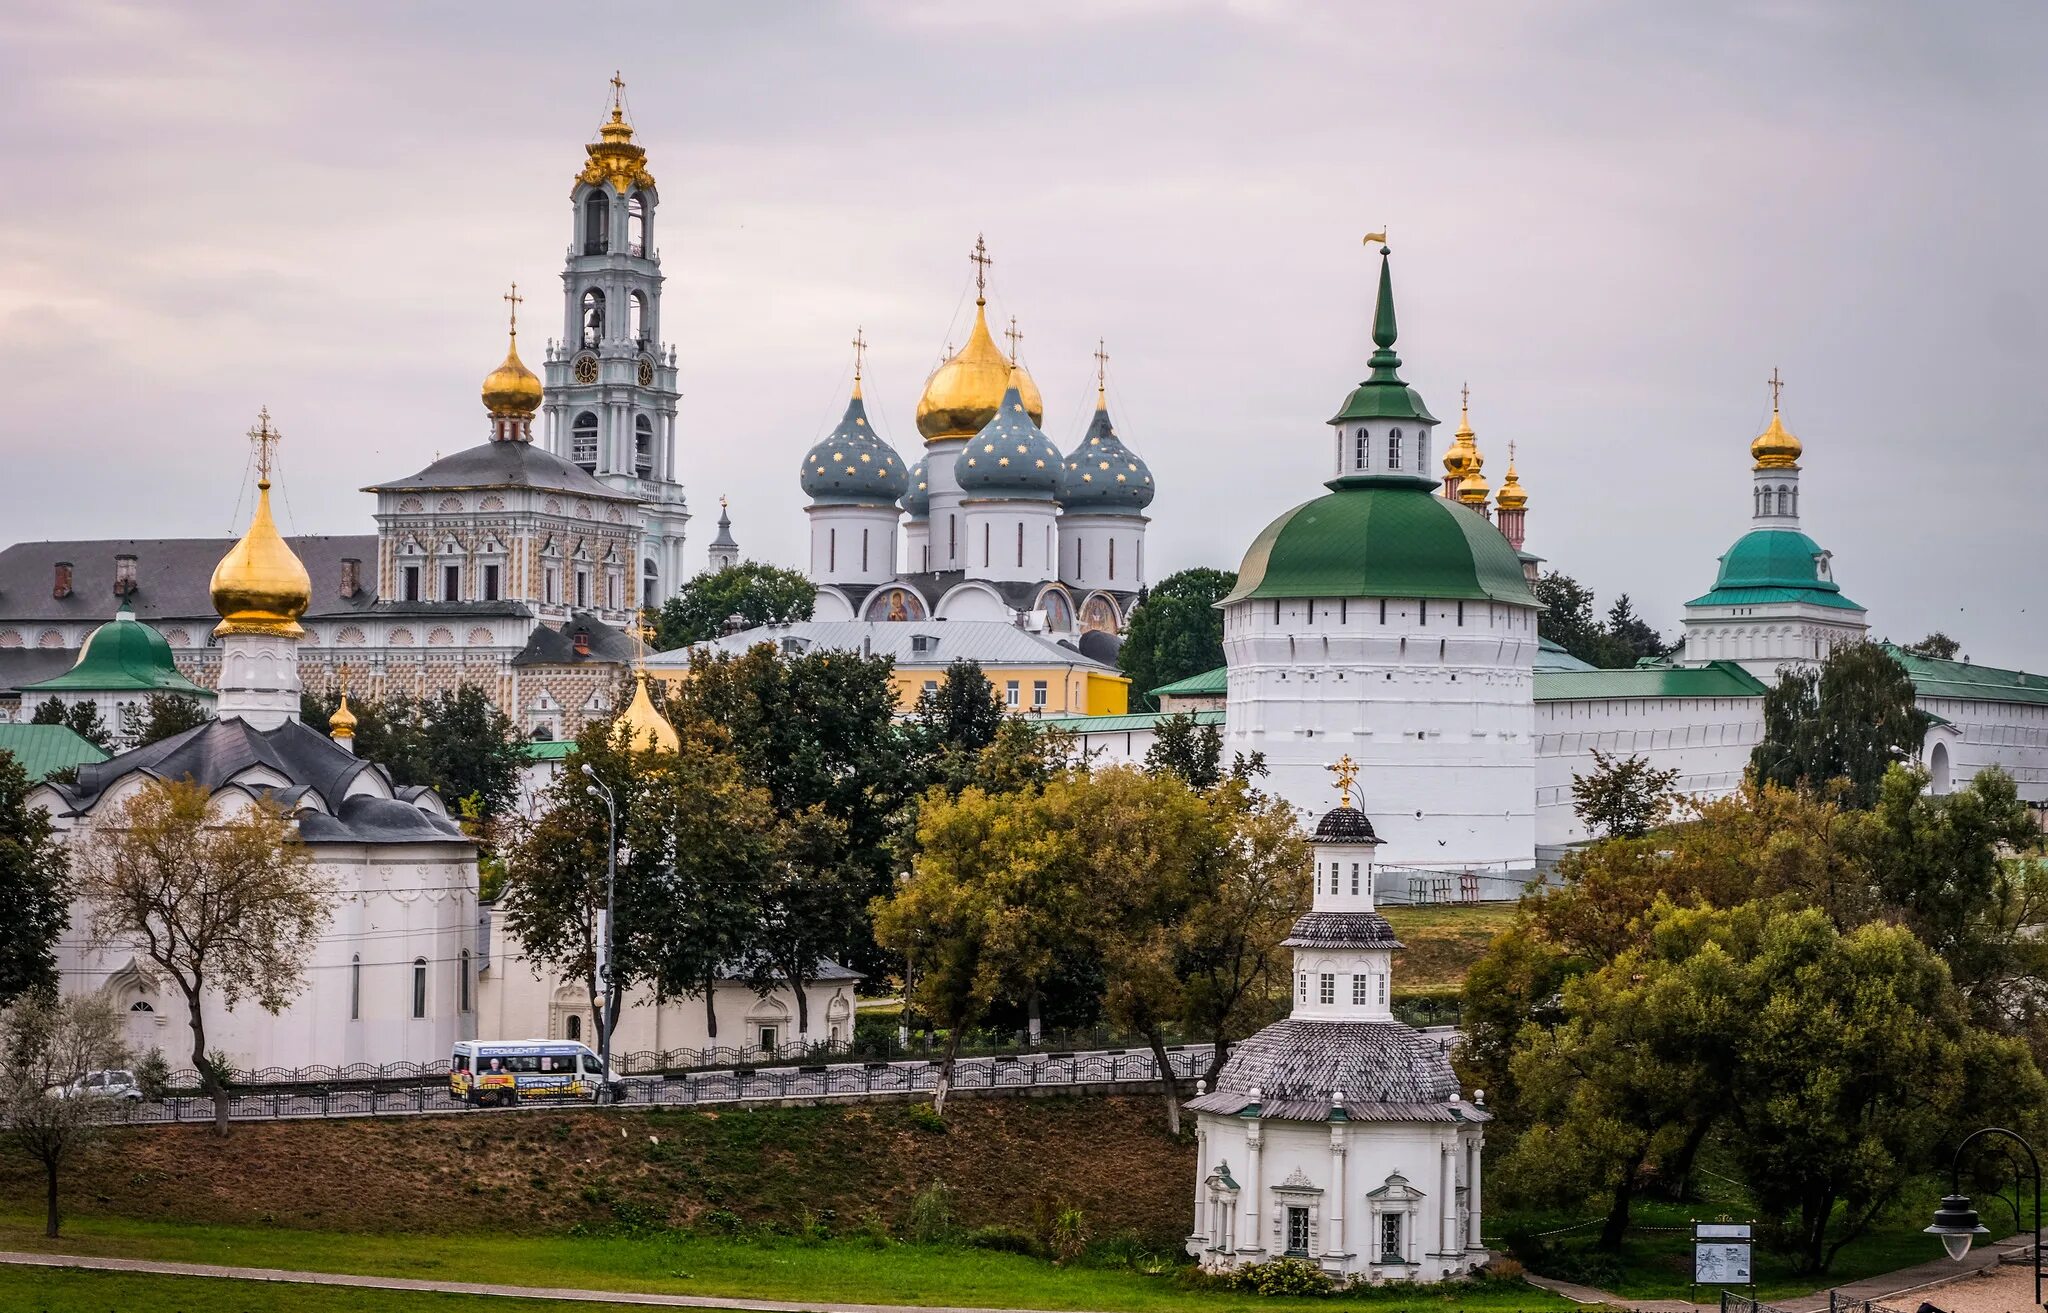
[[847, 1080]]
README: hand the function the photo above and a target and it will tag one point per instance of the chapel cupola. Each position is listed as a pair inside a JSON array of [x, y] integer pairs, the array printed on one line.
[[724, 552], [260, 589], [1775, 483], [512, 392], [1104, 490], [854, 481], [1511, 506], [1383, 430], [963, 394]]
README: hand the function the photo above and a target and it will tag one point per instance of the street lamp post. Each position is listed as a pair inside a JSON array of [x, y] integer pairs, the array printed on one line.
[[602, 793], [1956, 1220]]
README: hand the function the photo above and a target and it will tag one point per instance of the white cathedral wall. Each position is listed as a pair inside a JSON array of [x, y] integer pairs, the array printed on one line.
[[1011, 541], [1089, 561], [1706, 740], [398, 908], [948, 527], [1437, 1243], [852, 544], [917, 546], [1437, 715], [1762, 638], [2013, 736]]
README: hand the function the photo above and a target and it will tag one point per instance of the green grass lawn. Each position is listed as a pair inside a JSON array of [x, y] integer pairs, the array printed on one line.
[[1657, 1264], [60, 1290], [842, 1271], [1444, 940]]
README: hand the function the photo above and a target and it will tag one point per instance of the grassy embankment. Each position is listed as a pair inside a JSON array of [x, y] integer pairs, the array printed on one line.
[[65, 1290]]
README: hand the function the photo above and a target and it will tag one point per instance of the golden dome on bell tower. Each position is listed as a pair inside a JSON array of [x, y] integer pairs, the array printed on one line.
[[615, 157], [261, 586], [965, 392], [1775, 448]]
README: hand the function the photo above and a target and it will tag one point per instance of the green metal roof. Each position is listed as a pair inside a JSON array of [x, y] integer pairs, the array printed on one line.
[[1773, 565], [1967, 681], [42, 749], [1210, 683], [549, 749], [123, 655], [1552, 658], [1118, 724], [1383, 395], [1382, 540], [1716, 679]]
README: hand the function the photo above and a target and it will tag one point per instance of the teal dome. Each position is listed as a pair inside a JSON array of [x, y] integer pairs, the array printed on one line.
[[1010, 457], [852, 466], [123, 655], [1383, 539], [1103, 476], [1774, 565], [918, 499]]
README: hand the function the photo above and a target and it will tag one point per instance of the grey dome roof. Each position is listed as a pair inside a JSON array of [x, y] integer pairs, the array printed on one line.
[[852, 466], [1104, 476], [918, 500], [1345, 825], [1010, 457], [1383, 1069]]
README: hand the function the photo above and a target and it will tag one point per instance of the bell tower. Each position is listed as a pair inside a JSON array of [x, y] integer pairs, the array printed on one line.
[[611, 380]]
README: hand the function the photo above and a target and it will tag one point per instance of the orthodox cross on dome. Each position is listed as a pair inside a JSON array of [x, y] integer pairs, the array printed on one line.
[[618, 94], [1777, 386], [645, 632], [264, 437], [512, 298], [341, 675], [1015, 337], [981, 263], [860, 351], [1101, 372], [1346, 771]]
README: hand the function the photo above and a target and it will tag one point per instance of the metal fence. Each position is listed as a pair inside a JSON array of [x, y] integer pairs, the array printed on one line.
[[1838, 1303], [426, 1090], [1734, 1303]]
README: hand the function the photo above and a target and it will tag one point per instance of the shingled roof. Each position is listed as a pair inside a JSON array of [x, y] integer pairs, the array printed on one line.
[[1384, 1070], [1341, 930], [171, 577]]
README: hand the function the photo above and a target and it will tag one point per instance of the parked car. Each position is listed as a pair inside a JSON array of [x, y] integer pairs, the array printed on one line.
[[104, 1084]]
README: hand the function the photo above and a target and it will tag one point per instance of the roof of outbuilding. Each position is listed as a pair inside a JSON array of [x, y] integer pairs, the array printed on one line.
[[214, 753], [1345, 824], [1210, 683], [123, 655], [42, 749], [1716, 679], [172, 577], [1968, 681], [990, 642], [504, 465], [1136, 720], [1773, 565], [368, 819], [1297, 1065], [547, 646], [1551, 657]]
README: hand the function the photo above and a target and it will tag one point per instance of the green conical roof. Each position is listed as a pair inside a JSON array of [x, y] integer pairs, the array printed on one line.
[[1383, 395], [1774, 565], [123, 655], [1382, 540]]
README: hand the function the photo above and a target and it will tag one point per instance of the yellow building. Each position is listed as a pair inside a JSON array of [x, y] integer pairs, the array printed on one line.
[[1032, 674]]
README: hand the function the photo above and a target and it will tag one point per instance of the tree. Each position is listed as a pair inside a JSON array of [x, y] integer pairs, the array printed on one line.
[[1851, 719], [81, 718], [1191, 751], [45, 1042], [958, 719], [161, 716], [1629, 637], [1177, 631], [1936, 645], [34, 897], [819, 730], [812, 892], [1567, 618], [1624, 798], [221, 896], [457, 743], [758, 594]]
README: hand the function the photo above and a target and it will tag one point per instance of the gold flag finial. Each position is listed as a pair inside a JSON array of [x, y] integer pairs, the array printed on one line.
[[1380, 237], [1346, 771]]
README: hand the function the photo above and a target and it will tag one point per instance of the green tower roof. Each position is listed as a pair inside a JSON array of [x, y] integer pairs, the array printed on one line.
[[1383, 395], [1773, 565], [123, 655]]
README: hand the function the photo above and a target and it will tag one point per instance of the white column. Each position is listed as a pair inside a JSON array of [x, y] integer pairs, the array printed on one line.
[[1254, 1193], [1333, 1235], [1201, 1171], [1449, 1220], [1473, 1158]]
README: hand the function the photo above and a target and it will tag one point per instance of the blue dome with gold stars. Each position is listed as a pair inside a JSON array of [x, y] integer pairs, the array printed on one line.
[[852, 466], [1011, 456], [1102, 476], [918, 501]]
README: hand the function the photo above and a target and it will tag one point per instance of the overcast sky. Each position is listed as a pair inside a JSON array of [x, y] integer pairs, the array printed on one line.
[[1612, 220]]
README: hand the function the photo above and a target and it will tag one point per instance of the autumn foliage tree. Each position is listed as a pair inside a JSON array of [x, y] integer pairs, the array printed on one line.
[[216, 892], [46, 1041]]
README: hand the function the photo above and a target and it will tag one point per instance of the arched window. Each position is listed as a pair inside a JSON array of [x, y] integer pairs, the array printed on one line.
[[462, 982], [1394, 450], [355, 988], [1795, 501], [597, 224], [637, 319], [643, 446], [583, 440], [636, 224], [573, 1027], [419, 988], [650, 584], [1359, 450], [593, 317]]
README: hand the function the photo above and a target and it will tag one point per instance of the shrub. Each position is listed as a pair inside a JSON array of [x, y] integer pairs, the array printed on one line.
[[927, 1118], [1069, 1238], [1283, 1276], [931, 1215], [725, 1221], [1004, 1240], [811, 1227], [153, 1075], [873, 1229]]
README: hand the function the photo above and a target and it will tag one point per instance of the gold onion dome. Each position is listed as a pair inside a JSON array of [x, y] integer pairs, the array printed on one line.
[[260, 586], [1775, 448], [966, 392], [646, 728], [1513, 497], [1473, 488], [342, 724], [1462, 456], [511, 391]]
